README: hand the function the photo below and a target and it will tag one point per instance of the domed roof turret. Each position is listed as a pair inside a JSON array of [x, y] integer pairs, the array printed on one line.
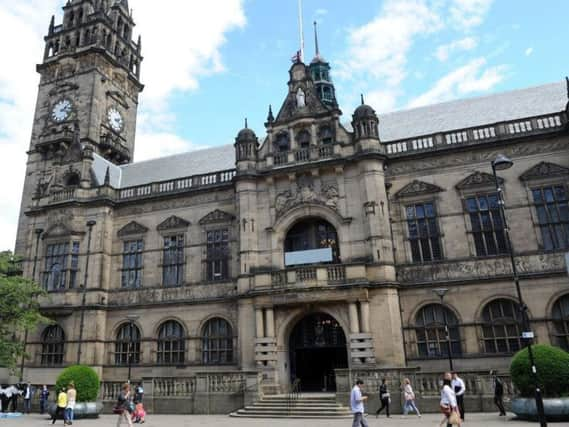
[[246, 134], [364, 111]]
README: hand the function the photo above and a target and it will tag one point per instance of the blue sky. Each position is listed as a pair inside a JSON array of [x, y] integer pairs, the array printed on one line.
[[208, 64]]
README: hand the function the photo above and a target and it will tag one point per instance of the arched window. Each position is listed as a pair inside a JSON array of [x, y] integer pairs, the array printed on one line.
[[561, 322], [430, 331], [127, 345], [282, 142], [217, 342], [72, 180], [312, 233], [171, 343], [52, 346], [325, 135], [501, 326], [303, 139]]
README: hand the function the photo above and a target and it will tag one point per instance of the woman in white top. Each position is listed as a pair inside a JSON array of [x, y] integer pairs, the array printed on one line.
[[448, 402], [409, 397]]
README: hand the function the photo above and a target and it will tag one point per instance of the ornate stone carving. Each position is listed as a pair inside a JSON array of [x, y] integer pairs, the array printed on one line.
[[131, 228], [216, 216], [305, 193], [544, 170], [416, 188], [63, 87], [172, 223], [478, 179]]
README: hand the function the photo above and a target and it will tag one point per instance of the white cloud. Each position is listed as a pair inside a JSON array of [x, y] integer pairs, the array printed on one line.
[[443, 51], [472, 77], [185, 35], [466, 14], [529, 51]]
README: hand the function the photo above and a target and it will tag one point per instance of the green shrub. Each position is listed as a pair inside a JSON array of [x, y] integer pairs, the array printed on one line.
[[85, 379], [552, 364]]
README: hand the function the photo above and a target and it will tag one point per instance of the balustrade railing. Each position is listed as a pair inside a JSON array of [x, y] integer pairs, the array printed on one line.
[[174, 387], [336, 273], [63, 195], [306, 274], [110, 390]]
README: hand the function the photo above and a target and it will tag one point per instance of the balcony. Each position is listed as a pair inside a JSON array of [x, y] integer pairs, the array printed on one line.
[[303, 155]]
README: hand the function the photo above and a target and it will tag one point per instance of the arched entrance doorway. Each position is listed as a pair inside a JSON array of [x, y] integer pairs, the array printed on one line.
[[317, 346]]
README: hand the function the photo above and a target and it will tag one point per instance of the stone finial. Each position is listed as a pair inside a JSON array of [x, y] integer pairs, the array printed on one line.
[[270, 117], [362, 98], [51, 24]]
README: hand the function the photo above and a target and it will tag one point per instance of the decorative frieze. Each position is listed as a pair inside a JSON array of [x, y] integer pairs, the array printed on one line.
[[304, 194]]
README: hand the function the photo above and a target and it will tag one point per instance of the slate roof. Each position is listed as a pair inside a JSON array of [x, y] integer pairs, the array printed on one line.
[[407, 124], [473, 112]]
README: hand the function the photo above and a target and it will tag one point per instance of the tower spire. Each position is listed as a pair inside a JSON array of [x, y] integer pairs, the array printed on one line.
[[316, 40], [301, 32]]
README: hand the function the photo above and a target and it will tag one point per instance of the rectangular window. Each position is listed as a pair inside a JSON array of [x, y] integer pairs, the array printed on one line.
[[217, 260], [132, 264], [424, 236], [553, 216], [487, 225], [173, 261], [61, 266]]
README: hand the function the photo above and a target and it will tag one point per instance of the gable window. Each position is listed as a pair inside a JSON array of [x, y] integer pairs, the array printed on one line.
[[424, 236], [217, 342], [552, 209], [430, 331], [52, 346], [171, 343], [61, 266], [127, 345], [217, 256], [501, 326], [131, 276], [487, 225], [173, 261]]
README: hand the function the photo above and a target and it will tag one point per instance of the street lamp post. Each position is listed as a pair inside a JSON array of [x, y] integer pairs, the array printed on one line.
[[441, 292], [90, 225], [38, 232], [502, 162], [131, 319]]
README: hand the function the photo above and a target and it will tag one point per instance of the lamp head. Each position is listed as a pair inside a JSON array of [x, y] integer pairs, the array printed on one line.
[[502, 162], [440, 292], [91, 223]]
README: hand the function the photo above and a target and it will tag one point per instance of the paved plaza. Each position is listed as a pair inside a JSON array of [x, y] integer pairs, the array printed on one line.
[[431, 420]]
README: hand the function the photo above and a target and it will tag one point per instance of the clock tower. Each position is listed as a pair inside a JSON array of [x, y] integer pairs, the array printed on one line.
[[87, 97]]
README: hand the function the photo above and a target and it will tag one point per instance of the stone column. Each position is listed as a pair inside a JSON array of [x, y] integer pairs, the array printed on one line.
[[260, 328], [269, 322], [354, 321], [364, 316]]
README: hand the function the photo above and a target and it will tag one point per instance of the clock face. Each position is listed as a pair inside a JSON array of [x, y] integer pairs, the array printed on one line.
[[115, 119], [61, 110]]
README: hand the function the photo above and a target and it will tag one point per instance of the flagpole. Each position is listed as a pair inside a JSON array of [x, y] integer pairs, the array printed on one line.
[[300, 30]]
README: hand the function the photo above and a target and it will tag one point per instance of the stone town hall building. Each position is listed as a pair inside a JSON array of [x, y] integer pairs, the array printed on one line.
[[313, 248]]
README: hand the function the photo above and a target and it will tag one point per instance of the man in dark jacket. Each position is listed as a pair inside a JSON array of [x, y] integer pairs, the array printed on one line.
[[498, 393]]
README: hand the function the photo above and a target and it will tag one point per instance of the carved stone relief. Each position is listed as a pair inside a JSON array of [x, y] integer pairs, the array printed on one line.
[[478, 179], [131, 228], [416, 188], [305, 193], [544, 170]]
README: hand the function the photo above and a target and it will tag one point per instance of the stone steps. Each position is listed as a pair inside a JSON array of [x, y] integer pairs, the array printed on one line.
[[304, 406]]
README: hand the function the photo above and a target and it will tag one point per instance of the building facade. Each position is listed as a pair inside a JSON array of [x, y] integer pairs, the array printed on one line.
[[316, 247]]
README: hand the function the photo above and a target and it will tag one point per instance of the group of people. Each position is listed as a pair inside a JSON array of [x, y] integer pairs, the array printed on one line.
[[65, 408], [451, 403], [9, 397], [130, 408]]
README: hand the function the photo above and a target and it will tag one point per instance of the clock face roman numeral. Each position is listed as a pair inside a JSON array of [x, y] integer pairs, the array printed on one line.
[[115, 119]]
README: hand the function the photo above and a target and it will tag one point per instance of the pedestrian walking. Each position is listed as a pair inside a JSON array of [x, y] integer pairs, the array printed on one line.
[[138, 393], [498, 393], [70, 408], [124, 406], [459, 388], [449, 405], [409, 398], [357, 400], [44, 395], [60, 407], [28, 394], [384, 398]]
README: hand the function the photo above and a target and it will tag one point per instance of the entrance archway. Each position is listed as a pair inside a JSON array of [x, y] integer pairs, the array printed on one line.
[[317, 346]]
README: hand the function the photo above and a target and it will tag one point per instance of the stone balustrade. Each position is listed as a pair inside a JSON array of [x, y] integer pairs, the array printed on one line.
[[313, 275]]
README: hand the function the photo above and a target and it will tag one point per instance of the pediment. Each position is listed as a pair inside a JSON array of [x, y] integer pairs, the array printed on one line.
[[131, 228], [416, 188], [478, 179], [172, 223], [216, 216], [59, 230], [544, 170]]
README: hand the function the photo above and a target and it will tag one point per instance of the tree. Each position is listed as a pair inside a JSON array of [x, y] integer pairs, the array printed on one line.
[[19, 309]]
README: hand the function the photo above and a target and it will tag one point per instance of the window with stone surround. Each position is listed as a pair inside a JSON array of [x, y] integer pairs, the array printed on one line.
[[61, 266], [561, 322], [217, 342], [487, 225], [423, 229], [131, 274], [171, 344], [501, 326], [217, 254], [552, 208], [173, 261], [127, 345], [52, 346], [431, 335]]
